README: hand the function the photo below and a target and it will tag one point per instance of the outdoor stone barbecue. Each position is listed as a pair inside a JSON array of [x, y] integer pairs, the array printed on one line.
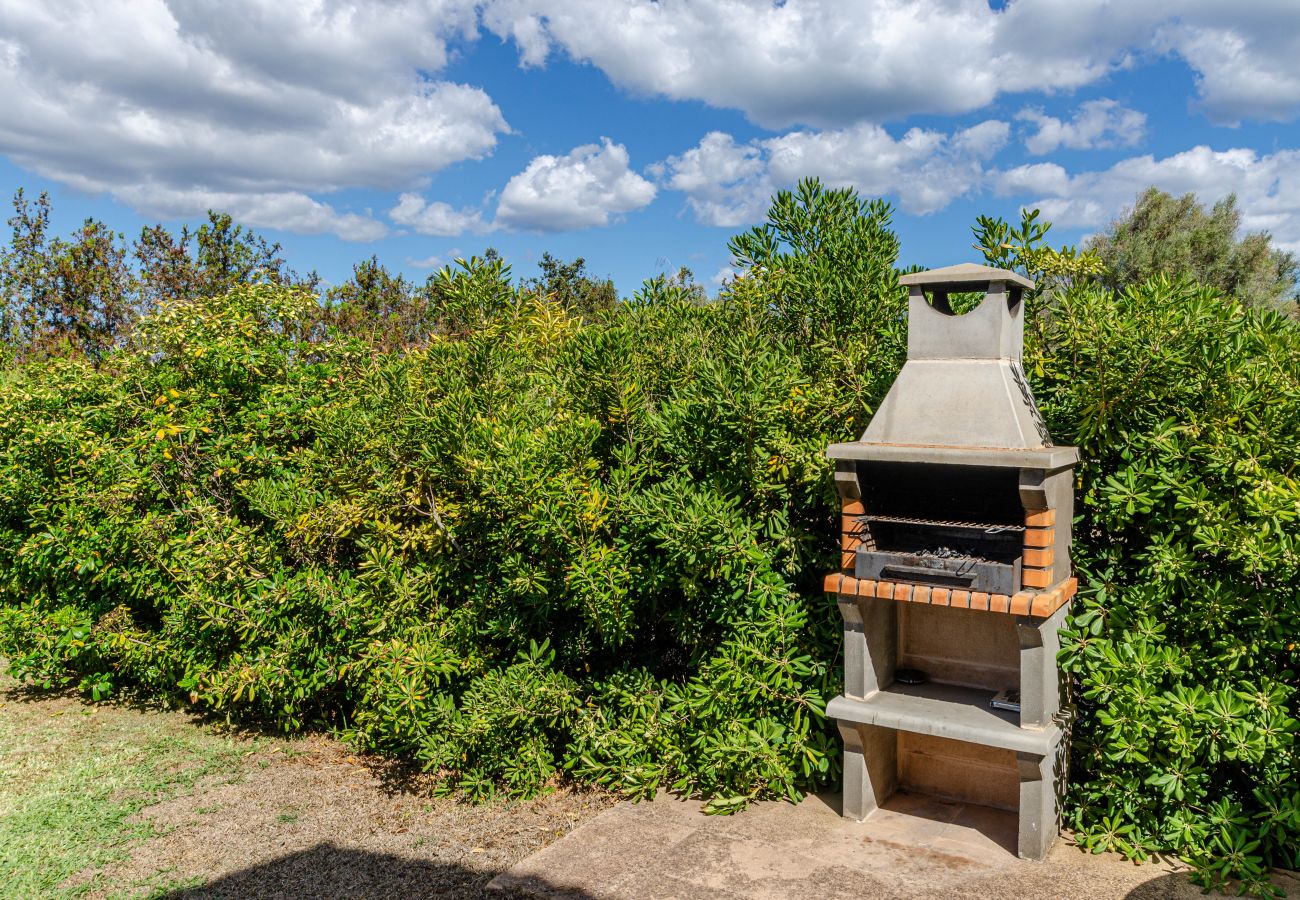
[[956, 569]]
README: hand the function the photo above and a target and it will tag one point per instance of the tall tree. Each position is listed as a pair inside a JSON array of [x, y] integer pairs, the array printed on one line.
[[1176, 236], [77, 294], [386, 309], [569, 285]]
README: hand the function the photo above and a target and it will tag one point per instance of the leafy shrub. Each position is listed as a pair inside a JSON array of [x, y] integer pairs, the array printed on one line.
[[531, 542], [526, 544], [1187, 411]]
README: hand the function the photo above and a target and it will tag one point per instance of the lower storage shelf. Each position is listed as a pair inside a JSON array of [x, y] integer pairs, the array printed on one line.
[[947, 711]]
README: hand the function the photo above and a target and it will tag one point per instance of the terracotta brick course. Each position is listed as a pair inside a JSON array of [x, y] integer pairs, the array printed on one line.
[[1023, 603], [853, 508], [1037, 578], [1039, 537], [1040, 518], [1040, 558], [1046, 604]]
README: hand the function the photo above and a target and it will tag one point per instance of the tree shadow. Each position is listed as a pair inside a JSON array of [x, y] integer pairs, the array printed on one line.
[[330, 872], [1179, 885]]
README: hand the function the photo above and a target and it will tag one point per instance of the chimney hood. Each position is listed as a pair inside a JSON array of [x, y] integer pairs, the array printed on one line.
[[963, 379]]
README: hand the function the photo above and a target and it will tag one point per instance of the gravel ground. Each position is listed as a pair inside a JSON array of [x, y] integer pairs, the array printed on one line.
[[262, 817]]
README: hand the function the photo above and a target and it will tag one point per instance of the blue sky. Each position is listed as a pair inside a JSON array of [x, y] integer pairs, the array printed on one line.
[[638, 134]]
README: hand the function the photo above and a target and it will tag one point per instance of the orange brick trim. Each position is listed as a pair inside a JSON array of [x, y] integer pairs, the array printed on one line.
[[1023, 603], [853, 508], [1040, 558], [1039, 537], [1036, 578], [1040, 518], [848, 558]]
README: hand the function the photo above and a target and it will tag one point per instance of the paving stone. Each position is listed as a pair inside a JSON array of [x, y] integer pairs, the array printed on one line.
[[913, 848]]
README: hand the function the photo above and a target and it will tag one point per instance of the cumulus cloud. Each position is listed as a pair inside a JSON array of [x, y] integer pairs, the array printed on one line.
[[290, 210], [1246, 56], [1267, 188], [729, 184], [259, 104], [1036, 178], [725, 183], [585, 188], [828, 63], [435, 217], [1096, 123]]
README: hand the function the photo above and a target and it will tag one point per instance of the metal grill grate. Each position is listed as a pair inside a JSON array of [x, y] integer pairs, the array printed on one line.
[[986, 527]]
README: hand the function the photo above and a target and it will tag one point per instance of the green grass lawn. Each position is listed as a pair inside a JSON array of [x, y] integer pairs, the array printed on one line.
[[71, 778]]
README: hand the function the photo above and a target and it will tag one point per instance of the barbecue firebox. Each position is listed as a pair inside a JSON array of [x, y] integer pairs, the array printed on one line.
[[955, 561]]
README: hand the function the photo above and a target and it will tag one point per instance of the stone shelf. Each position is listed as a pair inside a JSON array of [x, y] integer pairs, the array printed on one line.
[[947, 711]]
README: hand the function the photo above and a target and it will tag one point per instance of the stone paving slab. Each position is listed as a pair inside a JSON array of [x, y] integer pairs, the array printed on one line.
[[916, 847]]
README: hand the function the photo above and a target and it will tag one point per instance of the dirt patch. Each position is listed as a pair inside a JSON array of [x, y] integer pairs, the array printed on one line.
[[318, 822], [115, 801]]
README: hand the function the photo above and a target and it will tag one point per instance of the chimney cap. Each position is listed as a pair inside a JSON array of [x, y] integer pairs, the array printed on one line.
[[964, 276]]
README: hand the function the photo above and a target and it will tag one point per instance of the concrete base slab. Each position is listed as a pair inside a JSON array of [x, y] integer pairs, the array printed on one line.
[[913, 847]]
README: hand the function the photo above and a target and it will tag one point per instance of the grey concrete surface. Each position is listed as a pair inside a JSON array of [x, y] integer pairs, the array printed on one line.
[[914, 847]]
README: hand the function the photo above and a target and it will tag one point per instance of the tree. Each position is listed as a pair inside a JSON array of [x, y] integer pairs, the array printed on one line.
[[1177, 237], [387, 309], [76, 294], [569, 285]]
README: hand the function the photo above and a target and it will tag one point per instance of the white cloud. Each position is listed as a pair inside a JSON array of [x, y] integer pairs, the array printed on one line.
[[435, 217], [584, 189], [1246, 56], [729, 184], [1037, 178], [1096, 123], [267, 102], [725, 183], [290, 210], [829, 63], [429, 262], [1267, 188]]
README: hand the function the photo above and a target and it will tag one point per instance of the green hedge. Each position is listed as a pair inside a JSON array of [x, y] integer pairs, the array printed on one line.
[[540, 543]]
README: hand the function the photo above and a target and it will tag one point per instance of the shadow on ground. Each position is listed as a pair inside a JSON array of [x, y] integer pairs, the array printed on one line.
[[1179, 884], [329, 872]]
